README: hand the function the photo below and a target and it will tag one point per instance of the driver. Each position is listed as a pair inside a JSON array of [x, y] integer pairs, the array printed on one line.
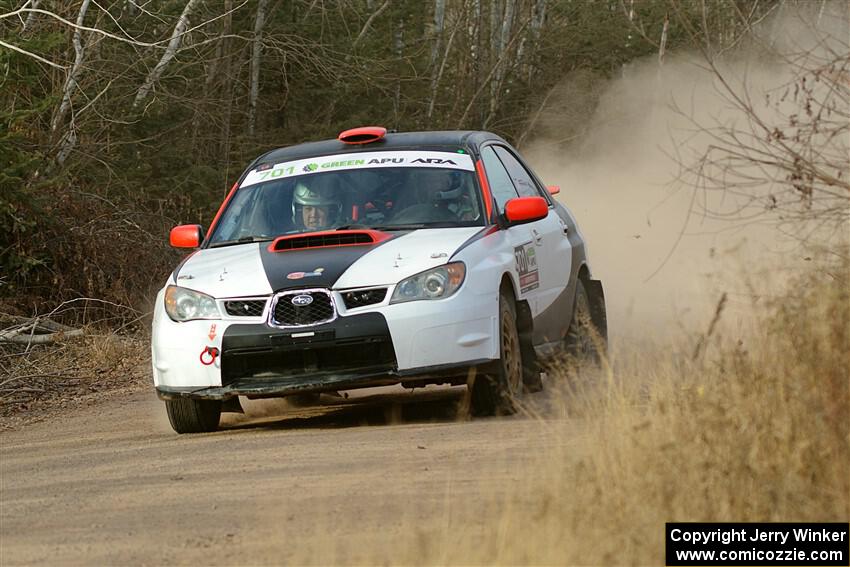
[[315, 208]]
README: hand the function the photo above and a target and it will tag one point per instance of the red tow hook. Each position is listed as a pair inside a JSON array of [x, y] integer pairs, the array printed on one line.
[[212, 352]]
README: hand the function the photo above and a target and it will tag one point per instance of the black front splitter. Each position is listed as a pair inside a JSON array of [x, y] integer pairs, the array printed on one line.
[[278, 386]]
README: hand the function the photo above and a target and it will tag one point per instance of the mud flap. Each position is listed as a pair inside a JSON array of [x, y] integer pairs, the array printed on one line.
[[232, 405], [598, 314], [530, 366]]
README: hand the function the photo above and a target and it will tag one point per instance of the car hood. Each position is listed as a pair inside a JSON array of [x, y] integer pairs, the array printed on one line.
[[251, 269]]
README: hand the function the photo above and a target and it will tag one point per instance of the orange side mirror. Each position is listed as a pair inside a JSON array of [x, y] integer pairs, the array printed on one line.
[[186, 236], [553, 189], [526, 209]]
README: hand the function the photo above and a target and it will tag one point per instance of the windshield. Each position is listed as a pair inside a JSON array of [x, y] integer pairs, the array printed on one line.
[[380, 190]]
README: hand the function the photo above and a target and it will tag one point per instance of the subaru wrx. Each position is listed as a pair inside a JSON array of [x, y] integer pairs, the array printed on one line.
[[375, 259]]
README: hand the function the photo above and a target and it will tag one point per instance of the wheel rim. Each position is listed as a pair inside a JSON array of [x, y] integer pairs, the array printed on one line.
[[511, 359]]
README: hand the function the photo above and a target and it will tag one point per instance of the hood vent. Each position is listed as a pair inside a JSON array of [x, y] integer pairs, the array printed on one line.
[[327, 240]]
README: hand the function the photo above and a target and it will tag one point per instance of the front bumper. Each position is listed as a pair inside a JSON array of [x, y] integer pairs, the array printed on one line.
[[378, 345]]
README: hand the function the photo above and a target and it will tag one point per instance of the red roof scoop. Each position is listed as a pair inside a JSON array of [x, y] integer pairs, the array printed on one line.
[[363, 135]]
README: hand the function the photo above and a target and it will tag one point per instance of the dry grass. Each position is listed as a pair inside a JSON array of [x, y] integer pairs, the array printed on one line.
[[755, 427], [44, 380]]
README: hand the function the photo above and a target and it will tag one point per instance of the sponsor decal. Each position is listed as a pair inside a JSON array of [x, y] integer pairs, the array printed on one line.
[[212, 332], [298, 275], [526, 267], [340, 162], [302, 300], [346, 164], [437, 161]]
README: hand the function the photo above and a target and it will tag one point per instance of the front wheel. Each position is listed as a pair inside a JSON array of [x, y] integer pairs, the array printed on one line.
[[188, 415], [497, 391]]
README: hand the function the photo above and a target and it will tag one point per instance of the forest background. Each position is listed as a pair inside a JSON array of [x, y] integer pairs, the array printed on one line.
[[121, 119]]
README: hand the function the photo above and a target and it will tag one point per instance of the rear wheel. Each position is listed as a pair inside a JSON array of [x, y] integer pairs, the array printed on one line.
[[584, 343], [496, 391], [188, 415]]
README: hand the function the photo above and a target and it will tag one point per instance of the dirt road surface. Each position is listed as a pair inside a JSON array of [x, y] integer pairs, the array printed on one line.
[[112, 484]]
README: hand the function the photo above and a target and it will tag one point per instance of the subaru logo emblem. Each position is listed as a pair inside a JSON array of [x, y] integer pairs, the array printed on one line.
[[302, 300]]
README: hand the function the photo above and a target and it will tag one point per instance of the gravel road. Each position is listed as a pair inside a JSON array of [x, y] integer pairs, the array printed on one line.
[[350, 480]]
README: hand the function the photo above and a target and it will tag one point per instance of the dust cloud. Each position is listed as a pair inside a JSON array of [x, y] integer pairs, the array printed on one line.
[[617, 149]]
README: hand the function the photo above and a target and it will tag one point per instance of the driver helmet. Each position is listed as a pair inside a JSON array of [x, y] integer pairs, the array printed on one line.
[[324, 207], [439, 186]]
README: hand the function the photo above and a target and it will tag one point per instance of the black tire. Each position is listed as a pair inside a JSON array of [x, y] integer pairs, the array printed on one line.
[[497, 390], [585, 342], [188, 415]]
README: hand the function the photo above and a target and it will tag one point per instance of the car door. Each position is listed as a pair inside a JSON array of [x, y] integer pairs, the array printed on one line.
[[520, 237], [551, 246]]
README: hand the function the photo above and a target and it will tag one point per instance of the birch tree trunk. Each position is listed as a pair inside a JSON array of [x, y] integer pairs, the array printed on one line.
[[663, 45], [475, 41], [504, 39], [435, 82], [538, 16], [256, 55], [439, 20], [494, 58], [369, 22], [30, 16], [227, 95], [398, 48], [170, 52], [69, 141]]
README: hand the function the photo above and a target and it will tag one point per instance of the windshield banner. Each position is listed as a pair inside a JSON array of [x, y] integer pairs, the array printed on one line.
[[339, 162]]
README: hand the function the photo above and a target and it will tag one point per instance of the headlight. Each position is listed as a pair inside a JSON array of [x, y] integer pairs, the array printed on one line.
[[183, 304], [436, 283]]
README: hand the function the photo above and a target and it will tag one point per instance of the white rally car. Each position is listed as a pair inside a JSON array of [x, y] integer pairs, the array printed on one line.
[[375, 259]]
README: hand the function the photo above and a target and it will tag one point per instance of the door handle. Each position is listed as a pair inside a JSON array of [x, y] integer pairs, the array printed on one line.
[[537, 237]]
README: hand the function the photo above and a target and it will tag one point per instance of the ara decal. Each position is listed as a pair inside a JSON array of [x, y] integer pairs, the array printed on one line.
[[212, 332]]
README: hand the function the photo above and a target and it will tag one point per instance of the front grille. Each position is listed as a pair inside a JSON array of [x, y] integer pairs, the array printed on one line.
[[245, 307], [320, 308], [322, 240], [363, 297]]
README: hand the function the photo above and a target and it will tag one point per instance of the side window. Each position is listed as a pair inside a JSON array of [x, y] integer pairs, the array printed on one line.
[[500, 182], [523, 182]]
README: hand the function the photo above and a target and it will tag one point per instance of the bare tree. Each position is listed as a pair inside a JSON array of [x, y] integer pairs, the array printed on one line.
[[786, 153], [369, 23], [437, 73], [170, 52], [257, 51], [30, 16], [439, 24], [70, 138]]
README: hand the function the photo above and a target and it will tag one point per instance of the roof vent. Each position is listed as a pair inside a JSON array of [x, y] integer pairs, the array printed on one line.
[[363, 135]]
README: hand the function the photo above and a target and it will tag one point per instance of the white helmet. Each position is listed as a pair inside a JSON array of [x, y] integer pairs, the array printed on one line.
[[314, 197]]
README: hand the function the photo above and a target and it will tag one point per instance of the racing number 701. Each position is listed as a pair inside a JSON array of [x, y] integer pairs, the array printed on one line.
[[272, 173]]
